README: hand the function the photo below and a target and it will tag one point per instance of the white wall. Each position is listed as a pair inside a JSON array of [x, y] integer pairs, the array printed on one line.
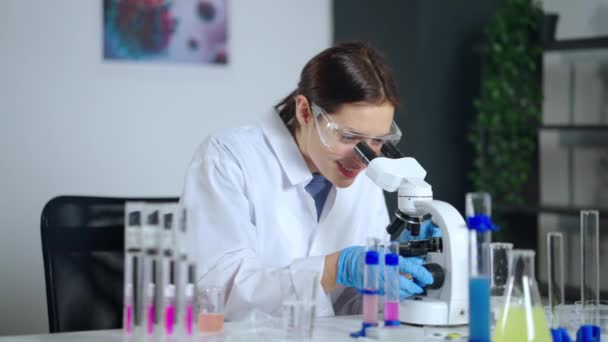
[[73, 124]]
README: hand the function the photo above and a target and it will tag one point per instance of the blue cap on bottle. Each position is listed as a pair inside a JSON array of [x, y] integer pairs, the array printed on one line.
[[481, 223], [560, 335], [371, 258], [391, 259], [588, 333]]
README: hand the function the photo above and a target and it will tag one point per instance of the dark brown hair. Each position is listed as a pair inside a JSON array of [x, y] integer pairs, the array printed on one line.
[[347, 72]]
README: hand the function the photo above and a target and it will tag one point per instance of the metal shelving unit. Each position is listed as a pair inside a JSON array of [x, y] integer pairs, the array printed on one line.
[[571, 136], [577, 44]]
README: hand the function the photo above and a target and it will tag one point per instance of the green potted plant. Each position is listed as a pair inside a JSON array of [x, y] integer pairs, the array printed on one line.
[[504, 131]]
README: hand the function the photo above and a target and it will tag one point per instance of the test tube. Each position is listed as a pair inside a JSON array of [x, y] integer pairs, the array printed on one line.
[[391, 285], [169, 302], [151, 246], [478, 212], [181, 264], [132, 259], [371, 283], [590, 263], [168, 269], [555, 276], [189, 300]]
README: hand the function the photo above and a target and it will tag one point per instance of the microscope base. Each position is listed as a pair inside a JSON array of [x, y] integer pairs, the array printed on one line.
[[429, 311]]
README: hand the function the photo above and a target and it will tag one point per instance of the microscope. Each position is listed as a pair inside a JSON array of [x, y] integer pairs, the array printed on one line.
[[446, 301]]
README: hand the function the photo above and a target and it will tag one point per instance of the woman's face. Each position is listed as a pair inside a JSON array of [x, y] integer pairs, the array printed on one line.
[[339, 164]]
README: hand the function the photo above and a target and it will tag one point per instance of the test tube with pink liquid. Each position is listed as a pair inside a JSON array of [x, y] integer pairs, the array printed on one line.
[[371, 283]]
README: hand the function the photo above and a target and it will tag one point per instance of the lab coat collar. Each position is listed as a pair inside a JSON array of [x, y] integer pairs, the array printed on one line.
[[286, 150]]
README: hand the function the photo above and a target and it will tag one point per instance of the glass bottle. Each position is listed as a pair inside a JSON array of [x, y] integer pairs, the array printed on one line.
[[522, 317]]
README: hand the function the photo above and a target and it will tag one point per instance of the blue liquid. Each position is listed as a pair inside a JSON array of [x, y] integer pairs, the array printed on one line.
[[479, 309]]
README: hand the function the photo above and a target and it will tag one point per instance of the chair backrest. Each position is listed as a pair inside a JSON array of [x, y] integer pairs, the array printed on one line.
[[83, 252]]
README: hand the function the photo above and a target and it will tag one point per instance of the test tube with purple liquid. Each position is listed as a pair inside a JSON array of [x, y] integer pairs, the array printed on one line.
[[168, 268], [133, 249], [391, 285], [150, 242], [189, 300]]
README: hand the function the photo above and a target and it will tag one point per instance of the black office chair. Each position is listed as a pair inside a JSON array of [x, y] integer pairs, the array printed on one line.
[[83, 252]]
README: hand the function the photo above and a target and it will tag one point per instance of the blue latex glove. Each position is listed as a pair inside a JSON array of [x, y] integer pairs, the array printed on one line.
[[352, 261], [427, 230]]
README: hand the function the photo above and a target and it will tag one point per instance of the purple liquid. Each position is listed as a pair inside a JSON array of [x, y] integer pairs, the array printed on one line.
[[370, 309], [189, 319], [391, 311], [128, 319], [151, 319], [169, 319]]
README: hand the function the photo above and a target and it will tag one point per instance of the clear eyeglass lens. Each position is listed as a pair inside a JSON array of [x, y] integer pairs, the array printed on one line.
[[338, 139]]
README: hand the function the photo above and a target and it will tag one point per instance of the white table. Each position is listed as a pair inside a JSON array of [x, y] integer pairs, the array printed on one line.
[[326, 329]]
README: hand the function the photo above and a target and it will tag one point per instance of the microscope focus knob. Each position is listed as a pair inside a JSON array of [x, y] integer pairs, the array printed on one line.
[[438, 275]]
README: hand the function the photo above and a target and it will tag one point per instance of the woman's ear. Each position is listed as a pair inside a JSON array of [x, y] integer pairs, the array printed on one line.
[[303, 111]]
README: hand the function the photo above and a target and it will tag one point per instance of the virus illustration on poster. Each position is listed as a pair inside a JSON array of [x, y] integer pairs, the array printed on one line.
[[182, 31]]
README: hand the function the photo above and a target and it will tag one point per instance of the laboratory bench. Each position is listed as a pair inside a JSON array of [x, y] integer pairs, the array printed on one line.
[[325, 329]]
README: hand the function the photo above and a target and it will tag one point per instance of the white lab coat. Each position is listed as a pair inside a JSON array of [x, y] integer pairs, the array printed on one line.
[[245, 194]]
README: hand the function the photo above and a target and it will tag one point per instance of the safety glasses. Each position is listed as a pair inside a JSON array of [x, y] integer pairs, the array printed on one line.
[[339, 139]]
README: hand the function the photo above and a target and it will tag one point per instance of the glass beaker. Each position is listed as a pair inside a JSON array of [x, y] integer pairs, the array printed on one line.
[[298, 307], [210, 309], [522, 317]]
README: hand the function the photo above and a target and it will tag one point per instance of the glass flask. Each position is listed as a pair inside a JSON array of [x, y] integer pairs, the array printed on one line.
[[522, 317]]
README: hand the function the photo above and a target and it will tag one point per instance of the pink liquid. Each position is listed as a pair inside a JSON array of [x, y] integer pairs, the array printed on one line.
[[151, 319], [208, 322], [128, 319], [169, 319], [189, 319], [391, 311], [370, 309]]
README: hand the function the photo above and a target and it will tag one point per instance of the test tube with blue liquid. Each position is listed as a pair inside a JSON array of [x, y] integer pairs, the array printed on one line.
[[391, 285], [590, 274], [478, 213], [371, 283]]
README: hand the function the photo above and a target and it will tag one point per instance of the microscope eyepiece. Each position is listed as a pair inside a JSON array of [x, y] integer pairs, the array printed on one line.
[[364, 152], [389, 150]]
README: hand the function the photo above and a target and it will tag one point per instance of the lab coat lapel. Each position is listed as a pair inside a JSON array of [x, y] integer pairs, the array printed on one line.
[[286, 150], [296, 172]]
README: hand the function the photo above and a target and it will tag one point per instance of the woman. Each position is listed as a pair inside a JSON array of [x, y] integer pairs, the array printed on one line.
[[286, 194]]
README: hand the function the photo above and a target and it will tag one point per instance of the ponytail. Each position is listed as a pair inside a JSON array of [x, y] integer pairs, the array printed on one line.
[[287, 110]]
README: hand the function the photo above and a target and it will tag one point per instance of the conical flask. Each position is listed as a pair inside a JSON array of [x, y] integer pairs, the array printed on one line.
[[522, 317]]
